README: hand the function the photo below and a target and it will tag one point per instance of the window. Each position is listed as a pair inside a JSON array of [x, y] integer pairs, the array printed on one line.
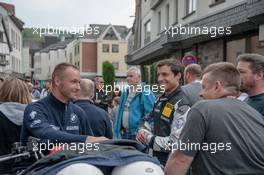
[[18, 66], [16, 63], [187, 51], [13, 62], [159, 22], [16, 41], [3, 60], [70, 57], [76, 50], [13, 38], [176, 11], [167, 16], [116, 65], [115, 48], [147, 32], [190, 6], [216, 2], [105, 47], [38, 70], [1, 36]]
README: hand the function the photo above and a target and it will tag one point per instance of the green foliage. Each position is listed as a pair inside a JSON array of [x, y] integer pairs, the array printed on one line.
[[30, 35], [108, 73]]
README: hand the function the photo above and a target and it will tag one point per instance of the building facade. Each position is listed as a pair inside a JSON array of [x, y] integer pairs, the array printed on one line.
[[46, 59], [108, 43], [11, 41], [212, 31], [85, 56]]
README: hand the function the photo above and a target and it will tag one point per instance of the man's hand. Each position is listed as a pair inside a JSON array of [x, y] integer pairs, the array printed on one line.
[[90, 139], [142, 136], [97, 101]]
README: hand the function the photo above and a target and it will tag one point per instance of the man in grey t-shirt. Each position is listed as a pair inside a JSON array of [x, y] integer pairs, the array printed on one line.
[[222, 135], [192, 84]]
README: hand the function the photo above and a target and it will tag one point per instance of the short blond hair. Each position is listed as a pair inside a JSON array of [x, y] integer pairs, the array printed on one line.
[[226, 73], [87, 88], [59, 71]]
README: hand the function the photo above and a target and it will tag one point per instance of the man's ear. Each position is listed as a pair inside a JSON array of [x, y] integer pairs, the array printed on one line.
[[218, 86], [186, 75], [179, 76], [259, 75], [57, 81]]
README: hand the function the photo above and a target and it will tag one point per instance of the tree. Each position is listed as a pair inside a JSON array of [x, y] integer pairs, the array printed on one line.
[[108, 73]]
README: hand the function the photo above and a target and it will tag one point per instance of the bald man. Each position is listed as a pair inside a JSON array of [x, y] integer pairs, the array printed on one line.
[[192, 87]]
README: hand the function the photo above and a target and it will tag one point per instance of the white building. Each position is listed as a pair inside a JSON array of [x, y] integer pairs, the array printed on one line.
[[46, 59], [26, 61], [11, 34], [5, 47], [70, 51]]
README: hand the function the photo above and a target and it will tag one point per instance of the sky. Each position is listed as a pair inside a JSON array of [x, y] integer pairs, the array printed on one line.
[[74, 13]]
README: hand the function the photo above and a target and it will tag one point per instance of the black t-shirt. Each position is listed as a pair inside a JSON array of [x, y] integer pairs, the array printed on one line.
[[225, 136], [257, 102]]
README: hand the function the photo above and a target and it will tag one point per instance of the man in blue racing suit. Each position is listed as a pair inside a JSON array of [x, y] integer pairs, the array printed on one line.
[[55, 118]]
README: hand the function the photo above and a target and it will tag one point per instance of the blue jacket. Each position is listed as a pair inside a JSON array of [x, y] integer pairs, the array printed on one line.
[[98, 118], [50, 119], [141, 104], [112, 154]]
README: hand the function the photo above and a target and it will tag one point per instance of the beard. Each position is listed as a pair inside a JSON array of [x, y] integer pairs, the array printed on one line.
[[246, 87], [243, 88], [66, 93]]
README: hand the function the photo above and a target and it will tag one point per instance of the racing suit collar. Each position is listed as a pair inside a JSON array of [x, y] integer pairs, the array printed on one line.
[[166, 98], [84, 101], [57, 103]]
